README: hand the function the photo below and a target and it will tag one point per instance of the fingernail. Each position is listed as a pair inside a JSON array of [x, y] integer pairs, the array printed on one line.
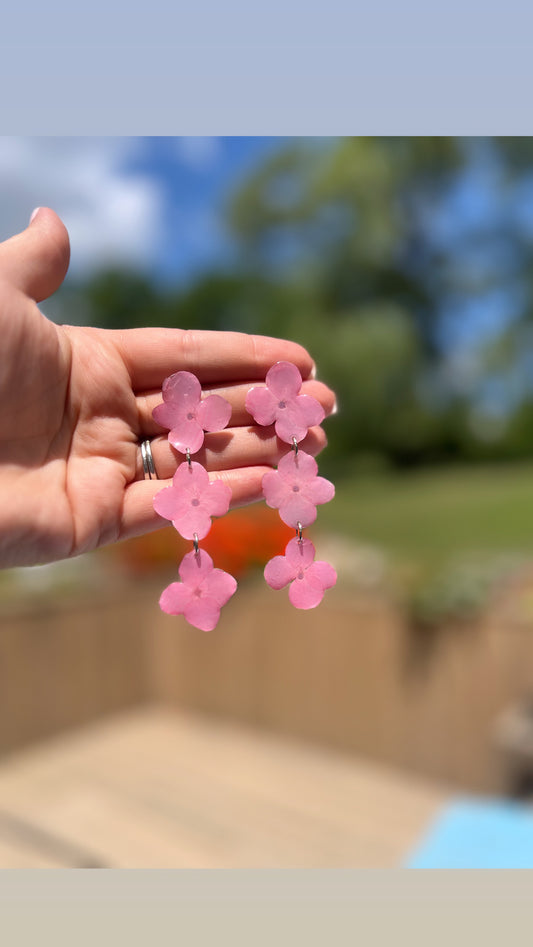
[[313, 371], [334, 409], [34, 214]]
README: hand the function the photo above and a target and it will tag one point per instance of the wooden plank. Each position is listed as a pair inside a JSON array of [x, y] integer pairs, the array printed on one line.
[[14, 854], [68, 662], [156, 788]]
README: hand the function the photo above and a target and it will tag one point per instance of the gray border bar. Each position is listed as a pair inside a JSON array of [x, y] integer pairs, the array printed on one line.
[[265, 907]]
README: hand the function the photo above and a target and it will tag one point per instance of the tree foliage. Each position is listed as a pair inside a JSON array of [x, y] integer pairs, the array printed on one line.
[[404, 264]]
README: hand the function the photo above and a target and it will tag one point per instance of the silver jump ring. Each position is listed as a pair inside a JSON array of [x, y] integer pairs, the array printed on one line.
[[148, 461]]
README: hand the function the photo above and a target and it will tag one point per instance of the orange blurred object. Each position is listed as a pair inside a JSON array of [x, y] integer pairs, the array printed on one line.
[[242, 540]]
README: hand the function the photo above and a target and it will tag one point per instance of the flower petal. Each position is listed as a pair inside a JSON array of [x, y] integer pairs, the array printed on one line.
[[187, 434], [303, 595], [218, 498], [278, 572], [195, 567], [311, 411], [192, 520], [297, 509], [219, 586], [284, 380], [169, 503], [319, 490], [191, 478], [202, 612], [262, 405], [182, 388], [321, 575], [175, 598], [298, 468], [214, 413], [297, 416], [290, 423], [300, 553], [276, 490], [168, 415]]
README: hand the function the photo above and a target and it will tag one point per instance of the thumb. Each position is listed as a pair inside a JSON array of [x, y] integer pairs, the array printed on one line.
[[36, 260]]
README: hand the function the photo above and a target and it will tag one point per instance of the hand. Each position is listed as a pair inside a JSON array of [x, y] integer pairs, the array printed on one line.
[[77, 402]]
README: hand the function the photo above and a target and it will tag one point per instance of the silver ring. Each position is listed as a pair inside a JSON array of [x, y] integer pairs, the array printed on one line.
[[148, 461]]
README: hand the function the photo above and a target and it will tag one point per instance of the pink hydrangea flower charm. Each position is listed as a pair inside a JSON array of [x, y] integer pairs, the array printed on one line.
[[186, 415], [192, 500], [281, 404], [295, 489], [308, 579], [202, 592]]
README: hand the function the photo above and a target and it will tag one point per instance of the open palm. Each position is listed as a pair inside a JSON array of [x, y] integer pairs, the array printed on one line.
[[76, 402]]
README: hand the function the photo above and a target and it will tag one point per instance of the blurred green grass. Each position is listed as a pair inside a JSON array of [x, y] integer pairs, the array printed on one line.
[[429, 518]]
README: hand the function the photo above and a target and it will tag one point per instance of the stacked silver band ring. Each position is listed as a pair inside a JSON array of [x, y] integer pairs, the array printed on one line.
[[148, 461]]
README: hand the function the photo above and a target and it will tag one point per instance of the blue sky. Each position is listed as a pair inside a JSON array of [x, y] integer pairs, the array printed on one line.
[[157, 204], [197, 175], [151, 203]]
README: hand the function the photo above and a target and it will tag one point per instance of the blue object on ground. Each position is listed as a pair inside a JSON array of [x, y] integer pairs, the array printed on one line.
[[476, 833]]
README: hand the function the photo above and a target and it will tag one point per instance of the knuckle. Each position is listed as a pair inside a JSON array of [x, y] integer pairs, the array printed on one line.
[[189, 347]]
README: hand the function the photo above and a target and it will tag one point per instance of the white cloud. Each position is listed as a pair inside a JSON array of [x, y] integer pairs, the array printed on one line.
[[112, 216]]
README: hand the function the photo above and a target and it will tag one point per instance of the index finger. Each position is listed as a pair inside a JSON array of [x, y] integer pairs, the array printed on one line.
[[150, 355]]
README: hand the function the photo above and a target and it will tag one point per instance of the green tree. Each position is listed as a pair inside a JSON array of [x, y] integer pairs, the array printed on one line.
[[372, 252]]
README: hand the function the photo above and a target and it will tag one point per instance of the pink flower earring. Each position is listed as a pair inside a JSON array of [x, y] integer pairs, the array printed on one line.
[[192, 500], [294, 489]]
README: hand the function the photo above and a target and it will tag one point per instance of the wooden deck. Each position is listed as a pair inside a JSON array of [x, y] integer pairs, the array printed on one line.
[[157, 788]]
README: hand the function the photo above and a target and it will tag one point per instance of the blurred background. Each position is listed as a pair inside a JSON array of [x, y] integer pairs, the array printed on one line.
[[284, 738]]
